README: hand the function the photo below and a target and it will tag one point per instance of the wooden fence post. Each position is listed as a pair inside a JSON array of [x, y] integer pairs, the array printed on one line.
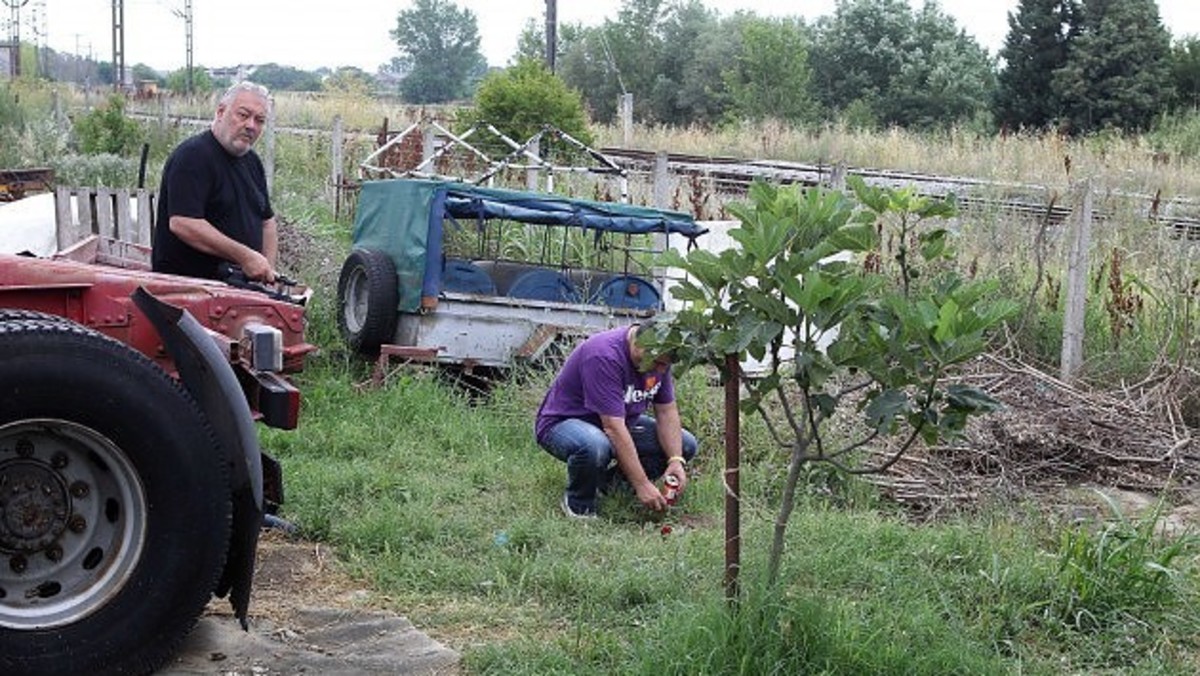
[[837, 177], [268, 154], [662, 181], [335, 159], [1077, 281], [428, 147], [625, 105], [532, 174]]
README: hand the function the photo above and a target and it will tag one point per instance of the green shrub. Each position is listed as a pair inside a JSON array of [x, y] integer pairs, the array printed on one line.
[[100, 170], [521, 100], [106, 129]]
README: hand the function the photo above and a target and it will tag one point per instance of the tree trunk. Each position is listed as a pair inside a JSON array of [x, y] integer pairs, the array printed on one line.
[[785, 510]]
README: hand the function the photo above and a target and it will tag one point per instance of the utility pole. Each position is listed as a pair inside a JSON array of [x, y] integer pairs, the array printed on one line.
[[551, 33], [118, 29], [14, 35], [186, 15], [41, 34]]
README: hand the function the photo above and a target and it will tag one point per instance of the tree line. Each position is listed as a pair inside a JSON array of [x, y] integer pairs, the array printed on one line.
[[1072, 66], [1075, 66]]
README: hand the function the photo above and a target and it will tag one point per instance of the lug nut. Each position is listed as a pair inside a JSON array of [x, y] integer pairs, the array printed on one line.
[[54, 553], [59, 460], [77, 524], [17, 563], [79, 489]]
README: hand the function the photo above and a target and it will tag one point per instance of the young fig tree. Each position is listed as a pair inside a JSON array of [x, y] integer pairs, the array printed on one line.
[[853, 303]]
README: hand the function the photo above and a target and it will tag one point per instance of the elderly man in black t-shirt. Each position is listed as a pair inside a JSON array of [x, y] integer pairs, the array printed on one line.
[[212, 204]]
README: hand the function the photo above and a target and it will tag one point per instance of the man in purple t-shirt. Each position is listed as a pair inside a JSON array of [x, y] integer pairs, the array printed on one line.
[[595, 414]]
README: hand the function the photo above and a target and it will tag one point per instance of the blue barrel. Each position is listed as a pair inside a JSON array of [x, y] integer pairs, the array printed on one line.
[[462, 276], [544, 284], [628, 291]]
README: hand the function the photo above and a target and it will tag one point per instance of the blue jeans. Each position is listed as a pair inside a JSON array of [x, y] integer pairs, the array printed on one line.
[[588, 454]]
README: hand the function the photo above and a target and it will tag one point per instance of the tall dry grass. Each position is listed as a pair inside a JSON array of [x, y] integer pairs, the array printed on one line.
[[1125, 163]]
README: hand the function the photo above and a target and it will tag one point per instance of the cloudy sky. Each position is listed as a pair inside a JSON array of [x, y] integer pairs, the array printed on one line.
[[309, 34]]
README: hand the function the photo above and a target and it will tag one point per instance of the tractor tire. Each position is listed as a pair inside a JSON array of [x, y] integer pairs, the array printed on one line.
[[368, 296], [116, 514], [9, 314]]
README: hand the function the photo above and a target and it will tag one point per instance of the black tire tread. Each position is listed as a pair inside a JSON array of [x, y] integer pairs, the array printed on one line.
[[383, 295], [185, 476]]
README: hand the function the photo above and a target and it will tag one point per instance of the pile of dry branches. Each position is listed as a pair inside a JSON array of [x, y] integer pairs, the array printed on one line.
[[1050, 435]]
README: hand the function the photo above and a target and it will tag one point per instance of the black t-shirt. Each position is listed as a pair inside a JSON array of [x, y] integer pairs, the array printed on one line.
[[201, 180]]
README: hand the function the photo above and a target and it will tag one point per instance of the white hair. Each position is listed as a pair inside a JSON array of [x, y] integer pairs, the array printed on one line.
[[244, 86]]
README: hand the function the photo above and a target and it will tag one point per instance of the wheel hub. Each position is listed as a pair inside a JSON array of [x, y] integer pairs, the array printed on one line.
[[34, 506]]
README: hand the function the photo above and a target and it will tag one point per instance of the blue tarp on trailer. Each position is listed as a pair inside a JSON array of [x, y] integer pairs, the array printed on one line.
[[404, 218]]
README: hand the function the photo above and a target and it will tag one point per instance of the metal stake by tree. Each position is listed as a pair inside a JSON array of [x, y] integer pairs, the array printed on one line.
[[733, 491]]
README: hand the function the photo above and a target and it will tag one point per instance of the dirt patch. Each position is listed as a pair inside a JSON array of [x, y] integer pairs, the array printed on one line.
[[307, 616]]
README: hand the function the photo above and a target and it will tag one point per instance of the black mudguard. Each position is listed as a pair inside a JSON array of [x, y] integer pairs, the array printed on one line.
[[211, 381]]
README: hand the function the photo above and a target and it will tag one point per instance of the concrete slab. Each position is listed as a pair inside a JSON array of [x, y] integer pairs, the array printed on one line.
[[326, 641], [308, 617]]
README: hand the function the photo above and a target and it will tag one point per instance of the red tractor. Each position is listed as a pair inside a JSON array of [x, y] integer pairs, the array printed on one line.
[[132, 485]]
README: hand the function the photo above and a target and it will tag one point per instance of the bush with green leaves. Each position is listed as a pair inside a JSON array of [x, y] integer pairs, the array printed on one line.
[[106, 129], [12, 122], [840, 334], [521, 101]]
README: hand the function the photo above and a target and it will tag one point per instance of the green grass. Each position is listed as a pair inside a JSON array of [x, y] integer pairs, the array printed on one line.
[[443, 503]]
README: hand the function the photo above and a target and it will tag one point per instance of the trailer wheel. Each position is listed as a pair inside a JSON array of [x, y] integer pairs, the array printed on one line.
[[115, 519], [368, 295]]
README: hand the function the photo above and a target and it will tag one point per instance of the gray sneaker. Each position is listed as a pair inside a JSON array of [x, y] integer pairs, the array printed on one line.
[[572, 514]]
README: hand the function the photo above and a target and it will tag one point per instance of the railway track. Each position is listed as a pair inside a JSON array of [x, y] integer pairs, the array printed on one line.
[[733, 176]]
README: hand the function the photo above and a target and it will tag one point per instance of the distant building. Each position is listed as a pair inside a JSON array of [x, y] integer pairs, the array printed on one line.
[[146, 89], [233, 74]]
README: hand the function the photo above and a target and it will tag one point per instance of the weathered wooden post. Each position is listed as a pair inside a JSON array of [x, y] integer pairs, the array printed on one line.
[[335, 160], [662, 181], [428, 146], [625, 105], [1077, 281], [531, 174], [837, 177], [268, 154]]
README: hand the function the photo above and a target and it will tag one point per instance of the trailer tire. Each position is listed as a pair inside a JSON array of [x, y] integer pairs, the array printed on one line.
[[116, 531], [368, 297]]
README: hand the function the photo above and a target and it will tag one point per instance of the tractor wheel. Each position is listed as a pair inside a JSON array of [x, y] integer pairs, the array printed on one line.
[[368, 296], [9, 314], [115, 515]]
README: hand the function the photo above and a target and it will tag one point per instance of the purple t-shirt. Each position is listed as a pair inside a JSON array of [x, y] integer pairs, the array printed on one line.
[[600, 378]]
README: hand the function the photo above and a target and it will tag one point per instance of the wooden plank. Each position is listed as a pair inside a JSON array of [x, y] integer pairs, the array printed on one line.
[[125, 228], [145, 216], [102, 223], [84, 203], [64, 218]]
